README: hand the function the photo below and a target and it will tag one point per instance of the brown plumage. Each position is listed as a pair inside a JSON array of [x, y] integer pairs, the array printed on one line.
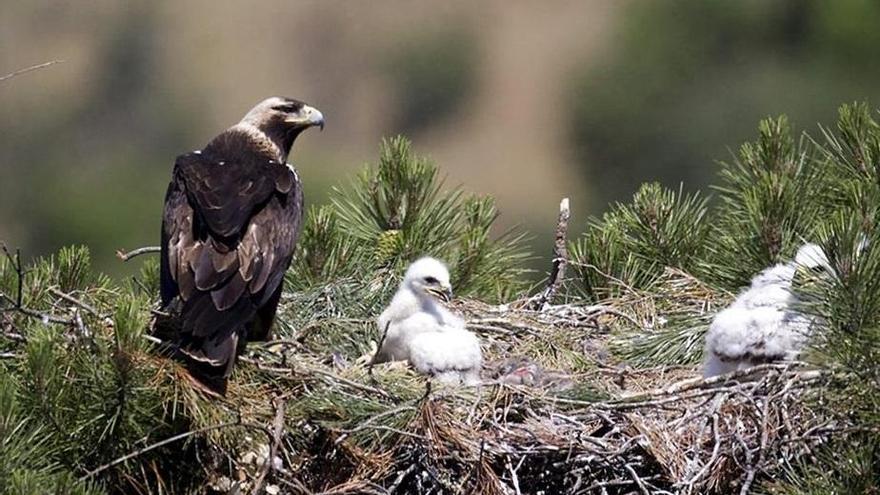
[[232, 216]]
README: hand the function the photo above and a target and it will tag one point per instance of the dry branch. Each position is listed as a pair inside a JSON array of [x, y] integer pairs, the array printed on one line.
[[17, 303], [169, 440], [560, 258], [125, 256], [277, 435], [30, 69]]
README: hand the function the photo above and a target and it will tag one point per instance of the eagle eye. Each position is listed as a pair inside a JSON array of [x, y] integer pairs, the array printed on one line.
[[286, 108], [430, 280]]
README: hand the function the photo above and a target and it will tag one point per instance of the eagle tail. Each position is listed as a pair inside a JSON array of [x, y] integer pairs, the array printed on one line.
[[211, 360], [208, 361]]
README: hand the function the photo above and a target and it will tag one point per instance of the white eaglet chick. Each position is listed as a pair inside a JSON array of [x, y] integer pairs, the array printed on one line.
[[762, 324], [421, 330]]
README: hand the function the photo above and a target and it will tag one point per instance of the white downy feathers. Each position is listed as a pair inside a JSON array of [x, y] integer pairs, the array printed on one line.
[[419, 329], [762, 324]]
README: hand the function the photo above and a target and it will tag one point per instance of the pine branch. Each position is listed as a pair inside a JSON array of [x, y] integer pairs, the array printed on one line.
[[170, 440]]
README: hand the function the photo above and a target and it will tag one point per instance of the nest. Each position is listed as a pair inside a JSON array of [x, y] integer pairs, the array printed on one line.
[[561, 408], [561, 416]]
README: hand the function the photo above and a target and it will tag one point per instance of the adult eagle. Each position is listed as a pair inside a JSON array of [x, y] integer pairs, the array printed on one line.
[[232, 216]]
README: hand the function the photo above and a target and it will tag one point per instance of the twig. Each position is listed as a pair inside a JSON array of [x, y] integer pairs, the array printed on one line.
[[30, 69], [173, 439], [277, 434], [325, 374], [700, 382], [716, 449], [560, 258], [67, 297], [13, 336], [125, 256], [17, 304], [378, 349], [513, 477], [369, 421], [45, 317], [598, 270], [637, 479], [397, 481], [753, 468], [16, 265]]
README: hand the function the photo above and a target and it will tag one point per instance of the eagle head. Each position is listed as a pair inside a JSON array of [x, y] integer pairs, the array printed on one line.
[[282, 119], [429, 276]]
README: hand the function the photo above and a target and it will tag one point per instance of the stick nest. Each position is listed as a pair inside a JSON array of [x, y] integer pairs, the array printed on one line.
[[557, 413]]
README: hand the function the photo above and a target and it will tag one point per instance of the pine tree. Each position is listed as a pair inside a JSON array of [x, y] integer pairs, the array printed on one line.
[[632, 244], [87, 398], [848, 305]]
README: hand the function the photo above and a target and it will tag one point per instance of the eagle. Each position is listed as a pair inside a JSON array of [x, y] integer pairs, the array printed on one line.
[[232, 215], [417, 328]]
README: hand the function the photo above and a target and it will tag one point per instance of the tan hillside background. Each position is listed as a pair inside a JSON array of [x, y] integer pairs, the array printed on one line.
[[524, 101]]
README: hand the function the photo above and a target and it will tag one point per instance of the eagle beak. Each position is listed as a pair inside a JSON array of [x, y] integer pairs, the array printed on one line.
[[307, 117]]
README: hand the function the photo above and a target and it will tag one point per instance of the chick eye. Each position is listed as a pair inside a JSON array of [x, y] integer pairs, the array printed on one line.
[[430, 280]]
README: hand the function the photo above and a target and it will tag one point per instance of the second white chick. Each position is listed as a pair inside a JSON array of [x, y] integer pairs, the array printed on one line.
[[418, 328], [762, 325]]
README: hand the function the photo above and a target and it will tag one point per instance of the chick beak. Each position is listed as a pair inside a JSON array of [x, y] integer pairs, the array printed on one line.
[[444, 292]]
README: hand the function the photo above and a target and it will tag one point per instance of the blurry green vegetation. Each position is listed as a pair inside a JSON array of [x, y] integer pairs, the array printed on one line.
[[685, 79], [93, 170], [433, 75]]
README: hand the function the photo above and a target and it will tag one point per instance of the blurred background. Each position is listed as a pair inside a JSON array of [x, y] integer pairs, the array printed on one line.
[[524, 101]]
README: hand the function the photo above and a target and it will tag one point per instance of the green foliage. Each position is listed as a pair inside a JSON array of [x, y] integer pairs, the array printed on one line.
[[434, 74], [80, 395], [148, 279], [76, 396], [853, 163], [336, 410], [325, 252], [846, 304], [74, 268], [849, 302], [402, 193], [632, 244], [851, 468], [662, 103], [398, 211], [776, 195], [28, 458], [676, 309], [769, 204], [680, 341], [483, 267]]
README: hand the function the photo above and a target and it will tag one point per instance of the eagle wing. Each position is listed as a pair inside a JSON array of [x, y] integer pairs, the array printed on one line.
[[228, 234]]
